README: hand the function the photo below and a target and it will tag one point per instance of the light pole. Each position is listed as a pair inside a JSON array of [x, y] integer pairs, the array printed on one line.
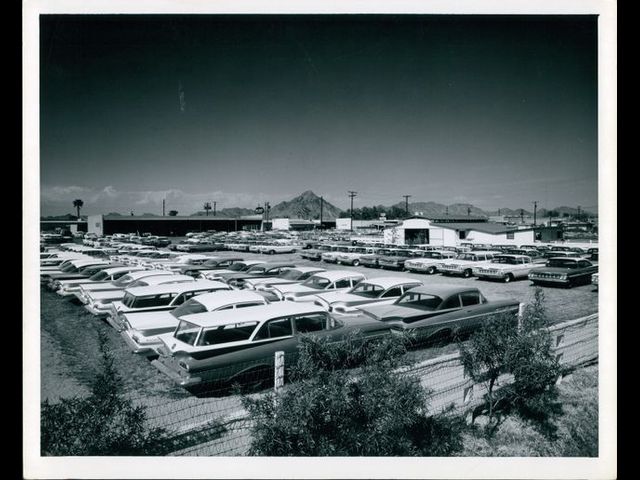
[[351, 195]]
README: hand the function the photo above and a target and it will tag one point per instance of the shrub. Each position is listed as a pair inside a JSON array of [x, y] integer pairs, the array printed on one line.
[[328, 410], [104, 423]]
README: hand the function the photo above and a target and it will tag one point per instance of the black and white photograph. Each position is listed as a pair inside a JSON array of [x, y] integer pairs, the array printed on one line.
[[310, 242]]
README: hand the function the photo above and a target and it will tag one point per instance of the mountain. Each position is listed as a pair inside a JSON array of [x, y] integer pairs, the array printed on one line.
[[233, 212], [305, 206], [509, 212], [428, 209]]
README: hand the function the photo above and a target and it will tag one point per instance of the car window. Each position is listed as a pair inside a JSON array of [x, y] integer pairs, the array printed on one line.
[[280, 327], [410, 286], [419, 300], [392, 292], [451, 302], [227, 333], [470, 298], [188, 308], [344, 283], [228, 307], [310, 323], [249, 304], [583, 264], [149, 300], [369, 290]]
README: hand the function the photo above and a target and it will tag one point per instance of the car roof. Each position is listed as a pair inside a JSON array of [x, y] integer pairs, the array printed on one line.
[[333, 275], [442, 290], [83, 262], [309, 269], [252, 314], [279, 264], [512, 255], [225, 297], [388, 282], [148, 273], [113, 270], [176, 287], [483, 252], [568, 258]]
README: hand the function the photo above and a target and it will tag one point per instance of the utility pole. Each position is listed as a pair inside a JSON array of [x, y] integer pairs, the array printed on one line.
[[321, 206], [163, 207], [352, 195], [207, 207], [446, 210], [521, 215], [535, 211], [406, 204], [468, 211], [214, 208]]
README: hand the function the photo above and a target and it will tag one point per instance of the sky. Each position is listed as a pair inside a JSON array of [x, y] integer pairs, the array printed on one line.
[[492, 111]]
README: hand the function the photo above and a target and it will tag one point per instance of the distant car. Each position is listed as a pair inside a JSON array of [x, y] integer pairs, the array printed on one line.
[[371, 259], [70, 268], [437, 313], [353, 255], [564, 271], [235, 267], [315, 253], [239, 346], [179, 262], [329, 281], [259, 271], [272, 249], [465, 263], [87, 289], [595, 278], [396, 259], [287, 277], [429, 262], [331, 256], [506, 267], [213, 263], [102, 276], [141, 330], [83, 273], [379, 290]]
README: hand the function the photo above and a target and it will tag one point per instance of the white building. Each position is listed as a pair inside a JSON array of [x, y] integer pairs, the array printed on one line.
[[420, 230]]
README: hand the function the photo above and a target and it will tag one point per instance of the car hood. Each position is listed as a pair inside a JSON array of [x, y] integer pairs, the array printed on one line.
[[332, 297], [97, 287], [296, 288], [392, 312], [147, 320]]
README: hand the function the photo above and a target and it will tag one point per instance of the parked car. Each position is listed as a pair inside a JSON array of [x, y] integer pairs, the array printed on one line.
[[213, 263], [595, 278], [141, 330], [272, 249], [287, 277], [123, 282], [395, 259], [235, 267], [333, 280], [371, 259], [437, 313], [465, 263], [237, 346], [74, 266], [564, 271], [181, 261], [83, 273], [156, 298], [66, 288], [99, 302], [257, 272], [353, 255], [379, 290], [506, 267], [315, 253], [430, 262], [331, 256]]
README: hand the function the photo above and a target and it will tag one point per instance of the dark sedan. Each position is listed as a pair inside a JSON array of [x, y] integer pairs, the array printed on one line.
[[215, 263], [438, 313], [263, 270], [564, 272]]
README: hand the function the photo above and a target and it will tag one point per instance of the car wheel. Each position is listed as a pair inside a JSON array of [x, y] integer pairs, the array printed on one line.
[[356, 263], [431, 270], [272, 252], [508, 278], [466, 273]]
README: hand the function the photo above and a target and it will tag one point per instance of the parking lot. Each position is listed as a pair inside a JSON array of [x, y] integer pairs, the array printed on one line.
[[69, 353]]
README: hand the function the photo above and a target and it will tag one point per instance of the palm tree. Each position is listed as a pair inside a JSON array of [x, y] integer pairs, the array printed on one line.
[[77, 203]]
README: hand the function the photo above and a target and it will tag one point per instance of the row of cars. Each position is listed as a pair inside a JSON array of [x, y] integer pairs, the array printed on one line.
[[558, 265], [225, 325]]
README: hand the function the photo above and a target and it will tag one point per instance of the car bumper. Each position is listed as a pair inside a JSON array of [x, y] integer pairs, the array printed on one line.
[[97, 311], [147, 350], [65, 293], [550, 281], [492, 276], [182, 380]]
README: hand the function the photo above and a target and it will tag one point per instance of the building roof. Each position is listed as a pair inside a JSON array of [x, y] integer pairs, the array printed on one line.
[[450, 218], [485, 227]]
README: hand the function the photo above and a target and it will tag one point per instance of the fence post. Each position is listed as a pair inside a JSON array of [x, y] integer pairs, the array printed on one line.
[[520, 314], [278, 379]]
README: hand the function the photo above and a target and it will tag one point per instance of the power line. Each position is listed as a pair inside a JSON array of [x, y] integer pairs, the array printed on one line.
[[352, 195]]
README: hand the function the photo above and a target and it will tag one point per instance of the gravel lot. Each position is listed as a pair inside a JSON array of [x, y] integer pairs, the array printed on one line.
[[69, 354]]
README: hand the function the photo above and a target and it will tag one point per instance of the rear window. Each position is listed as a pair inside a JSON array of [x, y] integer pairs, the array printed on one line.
[[188, 308], [419, 300], [186, 332], [147, 301], [227, 333], [470, 298], [310, 323], [274, 329]]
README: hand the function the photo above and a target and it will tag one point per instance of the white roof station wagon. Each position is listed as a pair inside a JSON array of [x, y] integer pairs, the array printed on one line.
[[330, 281], [506, 268], [430, 261], [159, 297], [99, 303], [353, 255], [69, 287], [380, 290], [141, 330], [465, 263]]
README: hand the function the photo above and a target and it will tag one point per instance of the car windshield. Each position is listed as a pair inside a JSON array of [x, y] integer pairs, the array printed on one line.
[[211, 263], [139, 283], [68, 268], [257, 269], [319, 283], [187, 332], [466, 256], [290, 274], [423, 301], [189, 307], [367, 290], [238, 267], [146, 301], [562, 263], [507, 260], [101, 275]]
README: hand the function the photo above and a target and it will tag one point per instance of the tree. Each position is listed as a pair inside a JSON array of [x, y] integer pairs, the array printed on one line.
[[173, 213], [329, 409], [105, 423], [77, 203]]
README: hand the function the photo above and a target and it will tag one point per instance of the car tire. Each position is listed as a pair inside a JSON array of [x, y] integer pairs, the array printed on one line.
[[431, 270], [356, 263], [466, 273], [508, 278], [272, 252]]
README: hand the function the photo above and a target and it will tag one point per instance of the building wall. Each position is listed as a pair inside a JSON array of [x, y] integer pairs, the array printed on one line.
[[95, 224], [280, 224], [519, 237]]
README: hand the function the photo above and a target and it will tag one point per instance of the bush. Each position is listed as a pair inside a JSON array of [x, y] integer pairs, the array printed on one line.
[[328, 410], [104, 423]]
